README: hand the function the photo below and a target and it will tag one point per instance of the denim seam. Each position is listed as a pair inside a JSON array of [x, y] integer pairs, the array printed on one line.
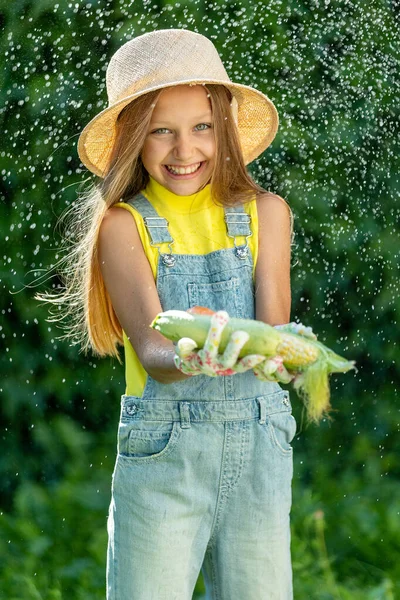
[[214, 581], [243, 444], [220, 495], [192, 273]]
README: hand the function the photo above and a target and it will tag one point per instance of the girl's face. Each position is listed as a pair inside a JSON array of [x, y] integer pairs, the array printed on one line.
[[179, 150]]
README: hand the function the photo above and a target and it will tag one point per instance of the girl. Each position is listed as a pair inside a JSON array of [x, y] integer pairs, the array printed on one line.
[[202, 479]]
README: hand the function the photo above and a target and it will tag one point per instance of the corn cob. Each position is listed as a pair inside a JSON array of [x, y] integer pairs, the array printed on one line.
[[296, 351], [176, 324], [310, 360]]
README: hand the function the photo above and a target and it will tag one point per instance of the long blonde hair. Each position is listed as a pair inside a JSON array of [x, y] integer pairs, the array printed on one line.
[[84, 302]]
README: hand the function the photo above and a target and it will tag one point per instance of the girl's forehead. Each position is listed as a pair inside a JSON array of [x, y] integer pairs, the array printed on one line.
[[193, 97]]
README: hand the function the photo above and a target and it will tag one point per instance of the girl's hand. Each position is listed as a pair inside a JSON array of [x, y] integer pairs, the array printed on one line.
[[273, 369], [298, 328], [208, 361]]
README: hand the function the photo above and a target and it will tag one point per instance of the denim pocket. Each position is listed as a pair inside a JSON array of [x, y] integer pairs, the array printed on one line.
[[219, 295], [140, 439], [282, 428]]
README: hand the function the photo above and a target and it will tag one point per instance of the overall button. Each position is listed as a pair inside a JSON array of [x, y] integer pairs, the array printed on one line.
[[131, 409], [168, 260], [242, 251], [286, 401]]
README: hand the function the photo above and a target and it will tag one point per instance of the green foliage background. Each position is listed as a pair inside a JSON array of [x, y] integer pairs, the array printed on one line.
[[332, 70]]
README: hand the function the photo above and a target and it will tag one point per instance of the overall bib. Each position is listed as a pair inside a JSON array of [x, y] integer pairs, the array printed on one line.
[[203, 474]]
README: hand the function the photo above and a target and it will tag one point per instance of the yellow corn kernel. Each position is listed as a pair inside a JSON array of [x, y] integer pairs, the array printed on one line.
[[296, 352]]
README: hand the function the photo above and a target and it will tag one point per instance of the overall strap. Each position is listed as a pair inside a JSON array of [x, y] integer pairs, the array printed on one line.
[[238, 224], [157, 227], [237, 221]]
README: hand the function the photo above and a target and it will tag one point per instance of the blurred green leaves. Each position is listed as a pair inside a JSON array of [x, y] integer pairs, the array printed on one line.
[[332, 71]]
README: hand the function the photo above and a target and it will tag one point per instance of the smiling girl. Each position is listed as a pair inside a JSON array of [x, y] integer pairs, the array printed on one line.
[[180, 148], [202, 479]]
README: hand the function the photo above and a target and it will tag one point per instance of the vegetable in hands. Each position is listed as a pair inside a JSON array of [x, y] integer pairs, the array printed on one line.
[[308, 358], [208, 360]]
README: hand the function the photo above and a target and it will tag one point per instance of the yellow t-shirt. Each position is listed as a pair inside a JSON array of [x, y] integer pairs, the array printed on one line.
[[197, 226]]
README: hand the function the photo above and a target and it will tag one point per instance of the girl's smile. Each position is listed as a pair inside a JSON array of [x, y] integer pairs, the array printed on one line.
[[179, 149], [179, 172]]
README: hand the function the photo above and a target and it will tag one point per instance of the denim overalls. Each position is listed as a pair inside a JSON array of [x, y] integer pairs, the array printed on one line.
[[203, 474]]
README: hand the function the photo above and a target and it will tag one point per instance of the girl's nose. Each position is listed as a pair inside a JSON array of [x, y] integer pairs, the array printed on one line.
[[183, 149]]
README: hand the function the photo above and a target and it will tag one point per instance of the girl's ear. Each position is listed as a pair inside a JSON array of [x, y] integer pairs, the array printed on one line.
[[234, 107]]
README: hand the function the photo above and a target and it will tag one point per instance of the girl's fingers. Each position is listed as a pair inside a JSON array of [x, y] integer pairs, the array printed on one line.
[[233, 348], [184, 365], [185, 347], [284, 376], [248, 362], [297, 328], [271, 365], [307, 332], [274, 368], [298, 381], [211, 345], [262, 376], [185, 359], [282, 373]]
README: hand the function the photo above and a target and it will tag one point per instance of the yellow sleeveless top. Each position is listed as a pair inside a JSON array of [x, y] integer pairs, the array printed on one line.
[[197, 226]]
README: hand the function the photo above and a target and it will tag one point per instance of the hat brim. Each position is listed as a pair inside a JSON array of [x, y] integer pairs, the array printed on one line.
[[257, 122]]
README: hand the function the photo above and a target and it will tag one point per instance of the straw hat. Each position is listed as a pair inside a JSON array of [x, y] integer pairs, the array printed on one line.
[[170, 57]]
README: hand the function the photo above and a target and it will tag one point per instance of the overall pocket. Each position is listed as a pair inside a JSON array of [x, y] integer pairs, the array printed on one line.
[[282, 428], [139, 439], [280, 423], [219, 295]]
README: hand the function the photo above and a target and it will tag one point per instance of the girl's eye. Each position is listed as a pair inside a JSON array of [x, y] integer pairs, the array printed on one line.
[[161, 130], [203, 126], [199, 127]]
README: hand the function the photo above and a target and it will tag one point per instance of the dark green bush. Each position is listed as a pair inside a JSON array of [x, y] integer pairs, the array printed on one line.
[[332, 71]]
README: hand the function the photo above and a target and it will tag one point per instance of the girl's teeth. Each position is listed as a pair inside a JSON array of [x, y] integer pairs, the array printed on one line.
[[183, 170]]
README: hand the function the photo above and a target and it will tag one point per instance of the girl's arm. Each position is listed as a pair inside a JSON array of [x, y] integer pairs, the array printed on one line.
[[130, 283], [273, 295]]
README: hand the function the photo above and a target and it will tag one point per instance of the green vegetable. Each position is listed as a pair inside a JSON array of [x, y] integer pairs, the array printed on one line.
[[311, 361], [176, 324]]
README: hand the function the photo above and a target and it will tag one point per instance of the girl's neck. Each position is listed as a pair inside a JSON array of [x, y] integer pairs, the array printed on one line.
[[165, 199]]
